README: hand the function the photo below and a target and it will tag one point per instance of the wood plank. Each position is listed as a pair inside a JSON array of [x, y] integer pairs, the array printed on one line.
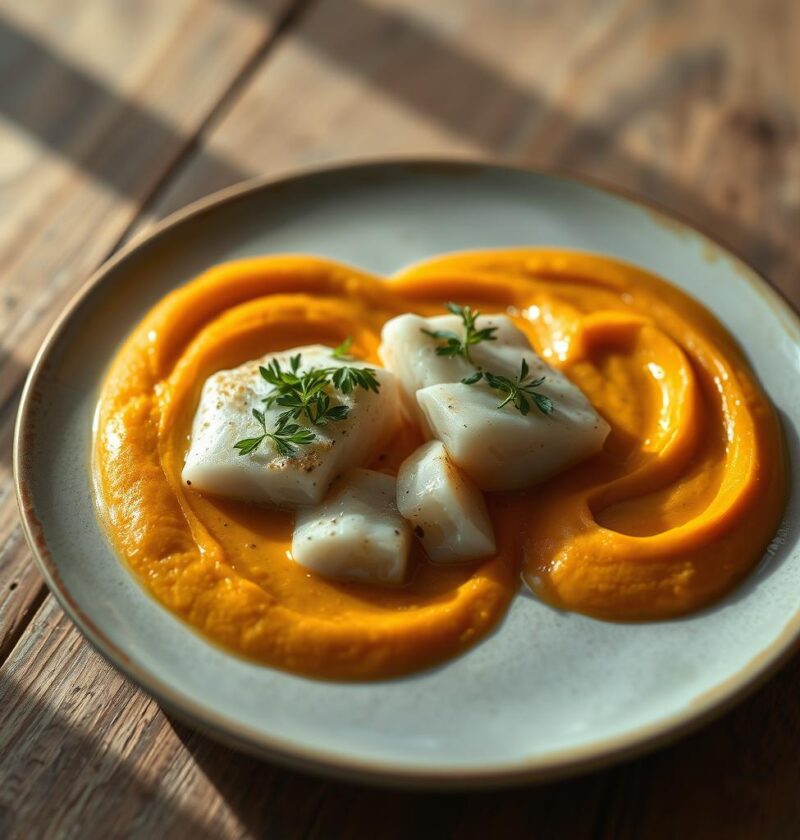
[[83, 149], [691, 105], [75, 726], [21, 589], [695, 108], [97, 103], [71, 726], [81, 747]]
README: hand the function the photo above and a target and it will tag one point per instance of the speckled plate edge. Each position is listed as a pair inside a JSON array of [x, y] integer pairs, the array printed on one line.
[[555, 764]]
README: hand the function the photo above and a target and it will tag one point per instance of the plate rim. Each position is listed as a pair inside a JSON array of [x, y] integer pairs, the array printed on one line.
[[546, 767]]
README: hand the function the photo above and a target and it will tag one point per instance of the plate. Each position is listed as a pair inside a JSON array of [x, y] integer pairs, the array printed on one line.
[[549, 693]]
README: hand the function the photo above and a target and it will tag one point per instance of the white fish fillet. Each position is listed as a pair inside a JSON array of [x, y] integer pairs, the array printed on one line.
[[411, 355], [224, 416], [356, 533], [499, 449], [443, 505]]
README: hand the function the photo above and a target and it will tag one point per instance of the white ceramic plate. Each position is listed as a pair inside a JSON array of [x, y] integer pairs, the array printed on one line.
[[548, 693]]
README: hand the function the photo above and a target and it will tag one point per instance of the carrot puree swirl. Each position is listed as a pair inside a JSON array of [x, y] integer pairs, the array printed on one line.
[[674, 511]]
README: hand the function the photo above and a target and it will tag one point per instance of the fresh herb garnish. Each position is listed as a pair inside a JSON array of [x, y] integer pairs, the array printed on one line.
[[517, 391], [347, 379], [343, 350], [306, 395], [286, 436], [456, 345]]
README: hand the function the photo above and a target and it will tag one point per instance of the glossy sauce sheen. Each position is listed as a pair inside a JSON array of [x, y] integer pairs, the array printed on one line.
[[676, 509]]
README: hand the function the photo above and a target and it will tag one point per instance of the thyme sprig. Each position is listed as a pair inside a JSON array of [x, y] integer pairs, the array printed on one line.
[[306, 395], [286, 436], [520, 391], [456, 345], [342, 351]]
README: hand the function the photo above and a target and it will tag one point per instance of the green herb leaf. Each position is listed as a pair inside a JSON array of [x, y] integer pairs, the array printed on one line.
[[337, 412], [544, 404], [306, 395], [473, 378], [248, 445], [287, 436], [343, 350], [347, 379], [519, 392], [456, 345]]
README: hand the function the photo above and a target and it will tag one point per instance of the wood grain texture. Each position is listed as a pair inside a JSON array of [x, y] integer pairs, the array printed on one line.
[[97, 103], [693, 105], [85, 754], [696, 105]]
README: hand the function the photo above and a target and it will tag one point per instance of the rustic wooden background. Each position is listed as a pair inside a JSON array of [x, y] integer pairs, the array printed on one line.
[[114, 113]]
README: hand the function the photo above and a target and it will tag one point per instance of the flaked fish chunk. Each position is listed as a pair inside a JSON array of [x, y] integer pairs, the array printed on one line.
[[411, 355], [503, 449], [445, 508], [225, 416], [356, 533], [500, 449]]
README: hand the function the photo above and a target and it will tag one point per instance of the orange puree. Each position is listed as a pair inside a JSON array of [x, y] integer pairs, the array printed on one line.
[[676, 509]]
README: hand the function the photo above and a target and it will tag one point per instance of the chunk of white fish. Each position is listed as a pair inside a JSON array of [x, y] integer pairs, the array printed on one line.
[[443, 505], [356, 533], [500, 449], [411, 354], [224, 416]]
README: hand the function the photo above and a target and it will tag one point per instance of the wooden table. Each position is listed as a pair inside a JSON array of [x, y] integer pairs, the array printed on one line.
[[112, 114]]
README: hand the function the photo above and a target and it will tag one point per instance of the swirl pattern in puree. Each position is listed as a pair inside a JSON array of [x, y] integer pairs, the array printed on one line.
[[675, 510]]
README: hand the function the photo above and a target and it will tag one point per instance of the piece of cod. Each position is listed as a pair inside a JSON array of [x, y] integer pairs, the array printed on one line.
[[356, 533], [224, 416], [500, 449], [443, 505]]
